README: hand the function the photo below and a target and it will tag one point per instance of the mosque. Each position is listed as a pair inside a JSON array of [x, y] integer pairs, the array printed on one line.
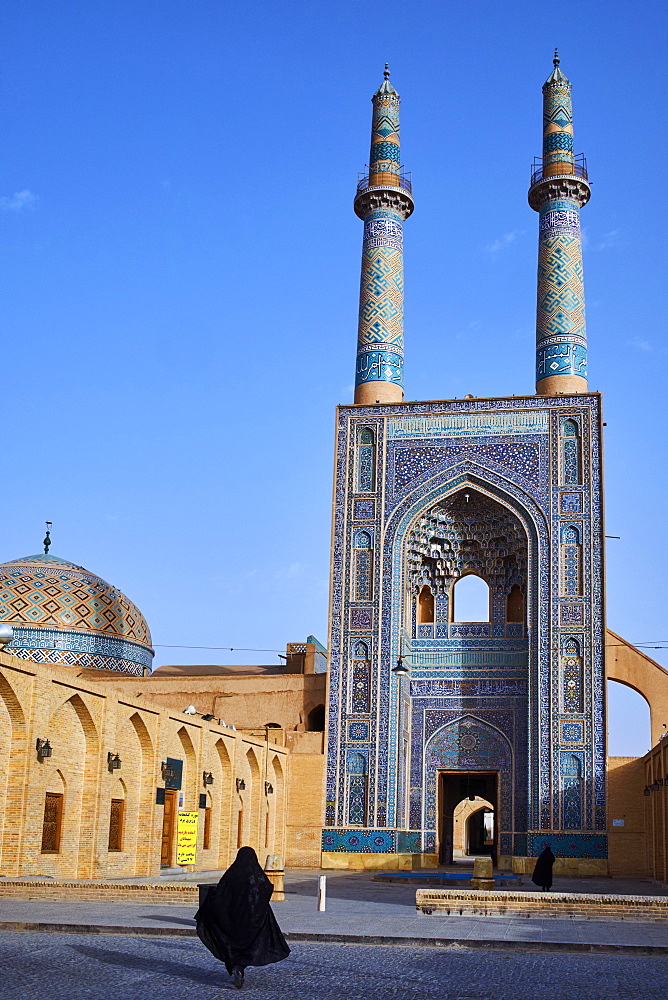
[[423, 731]]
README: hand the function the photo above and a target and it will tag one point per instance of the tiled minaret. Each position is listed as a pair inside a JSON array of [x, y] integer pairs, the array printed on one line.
[[383, 201], [559, 189]]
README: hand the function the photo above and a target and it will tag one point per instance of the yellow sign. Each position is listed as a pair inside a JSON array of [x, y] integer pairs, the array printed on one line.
[[186, 838]]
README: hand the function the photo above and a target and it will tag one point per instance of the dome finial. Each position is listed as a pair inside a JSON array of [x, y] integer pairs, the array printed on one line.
[[556, 59], [386, 73], [47, 538]]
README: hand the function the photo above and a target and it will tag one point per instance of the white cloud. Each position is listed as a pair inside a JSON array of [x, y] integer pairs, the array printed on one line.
[[503, 242], [641, 345], [608, 241], [18, 201]]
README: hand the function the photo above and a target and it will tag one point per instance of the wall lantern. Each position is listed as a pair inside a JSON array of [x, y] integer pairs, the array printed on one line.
[[241, 784], [268, 788], [646, 790], [400, 670], [113, 761], [44, 749], [167, 772], [655, 786], [207, 778]]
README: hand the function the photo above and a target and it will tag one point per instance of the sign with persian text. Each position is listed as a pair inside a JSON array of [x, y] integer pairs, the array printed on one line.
[[186, 838]]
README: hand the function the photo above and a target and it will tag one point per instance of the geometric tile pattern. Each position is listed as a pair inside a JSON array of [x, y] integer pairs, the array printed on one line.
[[381, 313], [427, 456], [561, 338], [380, 341], [568, 846], [46, 596]]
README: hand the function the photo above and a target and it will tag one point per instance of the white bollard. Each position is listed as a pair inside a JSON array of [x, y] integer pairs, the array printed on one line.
[[322, 893]]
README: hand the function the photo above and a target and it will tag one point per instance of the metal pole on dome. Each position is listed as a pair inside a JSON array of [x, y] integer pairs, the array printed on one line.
[[47, 538]]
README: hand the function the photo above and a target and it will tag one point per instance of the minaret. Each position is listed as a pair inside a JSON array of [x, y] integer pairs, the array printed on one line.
[[559, 189], [383, 201]]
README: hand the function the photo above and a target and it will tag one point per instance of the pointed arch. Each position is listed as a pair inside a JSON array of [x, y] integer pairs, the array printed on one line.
[[87, 724], [363, 565], [189, 782], [460, 476], [515, 605], [80, 808], [571, 452], [366, 460], [255, 795], [13, 776], [571, 791], [425, 609], [133, 744], [222, 805], [357, 780]]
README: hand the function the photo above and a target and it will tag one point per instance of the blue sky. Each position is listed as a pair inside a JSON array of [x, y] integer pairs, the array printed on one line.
[[179, 263]]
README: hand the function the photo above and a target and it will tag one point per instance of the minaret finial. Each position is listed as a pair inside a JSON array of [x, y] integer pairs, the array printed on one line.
[[386, 74], [556, 59], [47, 538]]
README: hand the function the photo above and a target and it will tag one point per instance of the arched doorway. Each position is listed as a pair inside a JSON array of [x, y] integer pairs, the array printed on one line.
[[474, 832], [456, 788], [465, 759]]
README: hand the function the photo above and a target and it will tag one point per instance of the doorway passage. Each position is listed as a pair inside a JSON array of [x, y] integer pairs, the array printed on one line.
[[471, 799]]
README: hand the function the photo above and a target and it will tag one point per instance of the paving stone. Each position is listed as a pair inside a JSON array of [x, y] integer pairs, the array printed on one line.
[[83, 967]]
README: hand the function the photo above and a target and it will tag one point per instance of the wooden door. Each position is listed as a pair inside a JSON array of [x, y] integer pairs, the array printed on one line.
[[167, 846], [53, 814]]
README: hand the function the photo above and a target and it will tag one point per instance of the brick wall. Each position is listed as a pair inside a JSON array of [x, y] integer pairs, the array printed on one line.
[[84, 721], [306, 813], [627, 844]]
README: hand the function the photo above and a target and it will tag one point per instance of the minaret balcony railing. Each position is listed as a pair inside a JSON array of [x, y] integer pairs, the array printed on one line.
[[579, 169], [400, 180]]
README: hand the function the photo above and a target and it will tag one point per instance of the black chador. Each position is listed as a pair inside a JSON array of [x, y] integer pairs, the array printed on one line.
[[236, 922], [542, 873]]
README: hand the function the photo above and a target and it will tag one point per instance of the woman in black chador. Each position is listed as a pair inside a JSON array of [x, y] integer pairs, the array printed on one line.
[[542, 873], [236, 922]]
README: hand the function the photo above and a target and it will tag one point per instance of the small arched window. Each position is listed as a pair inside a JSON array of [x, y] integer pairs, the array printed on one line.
[[366, 460], [357, 789], [470, 599], [315, 722], [515, 604], [571, 466], [571, 675], [425, 606], [571, 784], [571, 560], [363, 568], [360, 679]]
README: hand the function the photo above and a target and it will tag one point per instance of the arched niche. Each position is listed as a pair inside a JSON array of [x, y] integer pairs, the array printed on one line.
[[13, 761], [425, 607], [76, 747], [221, 804], [189, 780]]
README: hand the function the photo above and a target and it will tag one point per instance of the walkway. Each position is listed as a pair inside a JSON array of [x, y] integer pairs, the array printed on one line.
[[361, 911]]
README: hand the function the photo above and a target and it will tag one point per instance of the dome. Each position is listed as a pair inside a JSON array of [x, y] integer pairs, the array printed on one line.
[[62, 613]]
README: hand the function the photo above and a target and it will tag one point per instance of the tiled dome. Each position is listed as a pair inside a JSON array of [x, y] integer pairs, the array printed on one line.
[[62, 613]]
